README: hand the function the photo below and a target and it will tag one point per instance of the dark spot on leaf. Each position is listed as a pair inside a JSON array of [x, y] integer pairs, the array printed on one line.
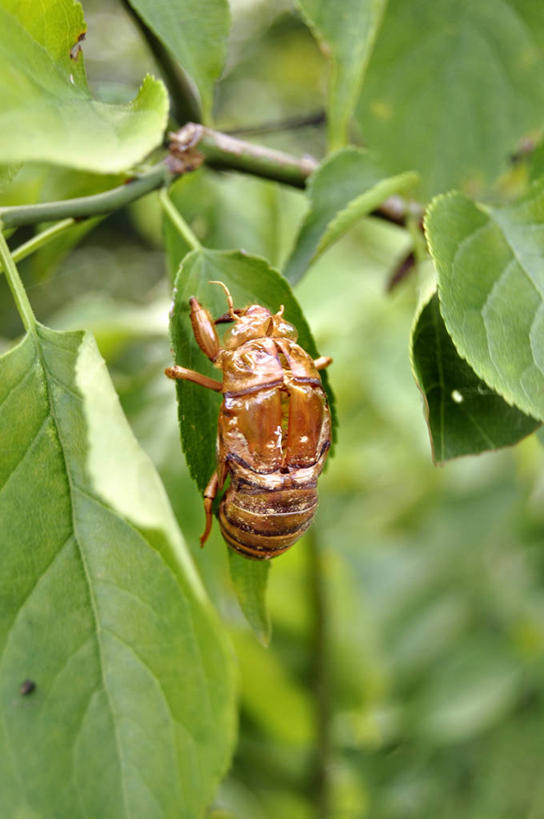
[[74, 51], [27, 687]]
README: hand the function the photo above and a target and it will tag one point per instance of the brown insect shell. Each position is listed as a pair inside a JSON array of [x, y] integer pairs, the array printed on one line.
[[273, 434], [257, 322]]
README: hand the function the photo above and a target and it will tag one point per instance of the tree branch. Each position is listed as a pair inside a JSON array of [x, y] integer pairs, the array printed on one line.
[[224, 152], [85, 206], [190, 147], [275, 126]]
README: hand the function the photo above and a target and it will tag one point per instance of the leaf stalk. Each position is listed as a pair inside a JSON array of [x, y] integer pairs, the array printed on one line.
[[178, 221], [16, 286]]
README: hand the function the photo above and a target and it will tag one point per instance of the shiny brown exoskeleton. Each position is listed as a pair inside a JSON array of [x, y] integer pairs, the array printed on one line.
[[274, 428]]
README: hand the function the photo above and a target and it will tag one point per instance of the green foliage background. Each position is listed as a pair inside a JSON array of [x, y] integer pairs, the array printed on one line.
[[430, 608]]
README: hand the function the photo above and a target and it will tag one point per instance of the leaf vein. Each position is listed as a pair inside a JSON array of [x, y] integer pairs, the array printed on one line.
[[27, 451]]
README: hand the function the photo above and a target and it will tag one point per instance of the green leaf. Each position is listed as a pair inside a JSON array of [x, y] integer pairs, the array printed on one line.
[[451, 88], [490, 278], [346, 29], [250, 578], [346, 187], [464, 415], [251, 281], [196, 33], [48, 113], [100, 607]]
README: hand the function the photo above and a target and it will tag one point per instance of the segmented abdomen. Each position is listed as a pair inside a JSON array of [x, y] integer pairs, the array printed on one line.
[[262, 523]]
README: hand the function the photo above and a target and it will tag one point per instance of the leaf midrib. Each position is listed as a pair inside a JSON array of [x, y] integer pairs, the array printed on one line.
[[94, 609]]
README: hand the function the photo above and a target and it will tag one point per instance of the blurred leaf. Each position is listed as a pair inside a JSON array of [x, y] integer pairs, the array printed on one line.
[[535, 163], [489, 263], [7, 175], [47, 110], [196, 33], [113, 323], [273, 698], [346, 30], [451, 88], [346, 187], [250, 578], [464, 416], [101, 607], [251, 281], [469, 692]]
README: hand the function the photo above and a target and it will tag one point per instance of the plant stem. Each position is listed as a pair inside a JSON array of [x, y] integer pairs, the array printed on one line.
[[321, 676], [223, 152], [16, 286], [85, 206], [190, 147], [178, 221]]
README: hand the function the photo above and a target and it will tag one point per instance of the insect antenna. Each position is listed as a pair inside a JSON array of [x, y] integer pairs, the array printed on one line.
[[232, 312]]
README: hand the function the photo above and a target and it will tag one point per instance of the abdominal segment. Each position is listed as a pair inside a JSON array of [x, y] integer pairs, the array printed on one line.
[[263, 523]]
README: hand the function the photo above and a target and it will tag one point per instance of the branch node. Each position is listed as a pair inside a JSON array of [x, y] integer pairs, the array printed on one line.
[[183, 156]]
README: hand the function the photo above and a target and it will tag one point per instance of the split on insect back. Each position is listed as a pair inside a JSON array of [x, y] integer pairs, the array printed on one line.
[[273, 424]]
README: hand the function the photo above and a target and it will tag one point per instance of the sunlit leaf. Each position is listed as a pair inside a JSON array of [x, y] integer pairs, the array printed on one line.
[[464, 415], [48, 113], [131, 712], [344, 188], [490, 264]]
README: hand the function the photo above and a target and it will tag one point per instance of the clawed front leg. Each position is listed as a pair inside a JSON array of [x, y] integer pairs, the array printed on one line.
[[183, 374]]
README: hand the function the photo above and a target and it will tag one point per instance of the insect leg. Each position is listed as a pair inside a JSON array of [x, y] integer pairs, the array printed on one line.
[[204, 330], [183, 374], [322, 362], [209, 494]]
